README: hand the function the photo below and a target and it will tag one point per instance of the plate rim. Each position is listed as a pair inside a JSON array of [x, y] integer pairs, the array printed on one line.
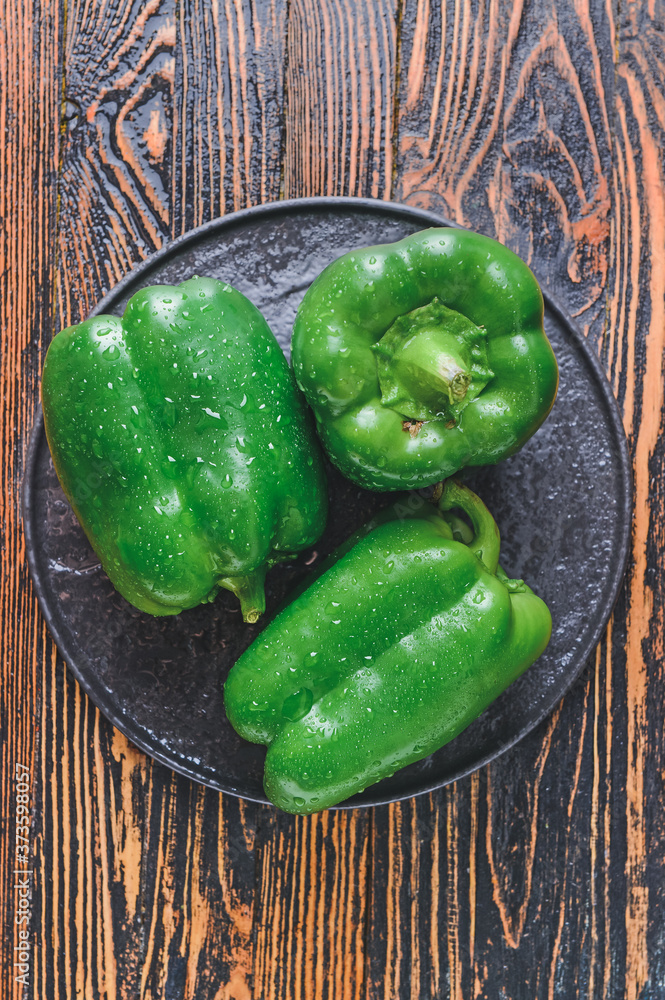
[[219, 225]]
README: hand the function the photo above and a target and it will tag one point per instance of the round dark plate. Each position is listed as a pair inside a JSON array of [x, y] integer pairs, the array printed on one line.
[[563, 506]]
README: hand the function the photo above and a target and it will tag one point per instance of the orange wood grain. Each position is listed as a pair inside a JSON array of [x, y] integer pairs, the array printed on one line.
[[340, 98], [552, 205], [542, 875], [640, 114], [29, 142], [228, 108]]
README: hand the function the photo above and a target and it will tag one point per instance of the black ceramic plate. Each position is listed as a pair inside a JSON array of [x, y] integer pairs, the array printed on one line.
[[562, 504]]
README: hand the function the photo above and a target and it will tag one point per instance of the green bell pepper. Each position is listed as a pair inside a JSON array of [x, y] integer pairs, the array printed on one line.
[[423, 357], [409, 633], [183, 445]]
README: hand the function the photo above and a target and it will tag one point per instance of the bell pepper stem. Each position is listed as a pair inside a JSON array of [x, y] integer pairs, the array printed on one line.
[[486, 541], [431, 362], [250, 592]]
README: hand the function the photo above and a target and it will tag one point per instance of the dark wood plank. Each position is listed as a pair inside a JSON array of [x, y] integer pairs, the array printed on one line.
[[310, 908], [227, 142], [309, 920], [637, 346], [115, 191], [229, 108], [114, 205], [29, 150], [154, 893], [504, 125], [340, 98], [544, 887]]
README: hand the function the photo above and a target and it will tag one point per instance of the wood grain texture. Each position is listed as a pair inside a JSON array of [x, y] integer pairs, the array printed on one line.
[[534, 163], [638, 310], [229, 103], [115, 189], [541, 876], [340, 98], [29, 135], [505, 126], [93, 928], [310, 930]]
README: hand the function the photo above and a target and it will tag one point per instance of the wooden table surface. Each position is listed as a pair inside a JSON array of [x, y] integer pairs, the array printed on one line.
[[124, 123]]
